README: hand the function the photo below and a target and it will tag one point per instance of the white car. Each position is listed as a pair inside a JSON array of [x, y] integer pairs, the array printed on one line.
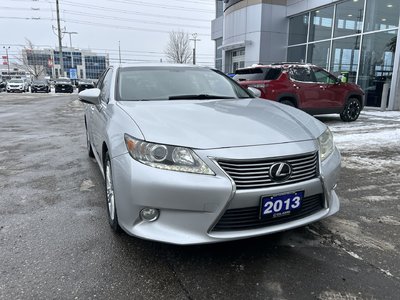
[[191, 157], [17, 85]]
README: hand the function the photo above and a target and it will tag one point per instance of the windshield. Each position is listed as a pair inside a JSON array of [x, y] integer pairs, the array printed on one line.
[[63, 81], [39, 82], [86, 81], [173, 83], [16, 81]]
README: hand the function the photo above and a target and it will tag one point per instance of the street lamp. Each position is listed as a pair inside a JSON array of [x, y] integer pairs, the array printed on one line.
[[70, 44], [194, 39], [8, 60]]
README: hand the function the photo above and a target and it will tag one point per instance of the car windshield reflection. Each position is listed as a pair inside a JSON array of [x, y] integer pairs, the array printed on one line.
[[176, 83]]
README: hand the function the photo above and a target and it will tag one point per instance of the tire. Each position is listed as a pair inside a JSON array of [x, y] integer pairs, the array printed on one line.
[[351, 110], [287, 102], [110, 196], [88, 146]]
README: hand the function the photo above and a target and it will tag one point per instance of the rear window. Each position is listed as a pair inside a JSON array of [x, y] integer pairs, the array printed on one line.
[[254, 74]]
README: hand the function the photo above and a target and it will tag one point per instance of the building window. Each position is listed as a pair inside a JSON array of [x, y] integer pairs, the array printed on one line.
[[219, 8], [381, 15], [345, 57], [376, 65], [237, 60], [318, 54], [321, 24], [298, 29], [366, 55], [297, 54], [349, 18]]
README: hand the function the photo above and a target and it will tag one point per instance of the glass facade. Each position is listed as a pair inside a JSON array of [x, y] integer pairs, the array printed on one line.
[[95, 65], [298, 29], [218, 54], [356, 38], [88, 64], [321, 24]]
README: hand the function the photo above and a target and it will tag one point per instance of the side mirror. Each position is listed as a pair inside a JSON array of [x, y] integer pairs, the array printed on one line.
[[90, 96], [254, 91]]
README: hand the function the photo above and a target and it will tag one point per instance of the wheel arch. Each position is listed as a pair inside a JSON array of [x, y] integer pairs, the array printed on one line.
[[291, 97]]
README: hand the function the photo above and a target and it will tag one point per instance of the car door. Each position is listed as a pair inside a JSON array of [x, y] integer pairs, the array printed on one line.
[[330, 91], [100, 113], [306, 89]]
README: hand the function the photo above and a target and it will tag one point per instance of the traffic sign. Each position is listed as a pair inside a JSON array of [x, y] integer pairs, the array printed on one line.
[[73, 74]]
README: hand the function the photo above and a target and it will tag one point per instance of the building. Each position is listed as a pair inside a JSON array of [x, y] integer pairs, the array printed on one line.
[[77, 63], [356, 37]]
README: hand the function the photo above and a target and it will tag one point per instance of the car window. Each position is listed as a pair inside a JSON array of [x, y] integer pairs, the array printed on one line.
[[253, 74], [324, 77], [155, 83], [301, 74], [105, 87]]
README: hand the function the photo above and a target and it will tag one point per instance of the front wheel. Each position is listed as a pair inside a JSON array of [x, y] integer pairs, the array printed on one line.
[[88, 145], [110, 195], [351, 110]]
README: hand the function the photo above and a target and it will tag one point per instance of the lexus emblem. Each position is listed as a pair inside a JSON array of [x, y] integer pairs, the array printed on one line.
[[280, 171]]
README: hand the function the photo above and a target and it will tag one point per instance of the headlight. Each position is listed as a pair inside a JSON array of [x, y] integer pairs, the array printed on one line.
[[326, 145], [166, 157]]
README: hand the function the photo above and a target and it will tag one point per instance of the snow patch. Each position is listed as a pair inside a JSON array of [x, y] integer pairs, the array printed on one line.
[[333, 295], [86, 185], [351, 232]]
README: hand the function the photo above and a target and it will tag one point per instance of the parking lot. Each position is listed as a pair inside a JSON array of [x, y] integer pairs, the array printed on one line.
[[55, 241]]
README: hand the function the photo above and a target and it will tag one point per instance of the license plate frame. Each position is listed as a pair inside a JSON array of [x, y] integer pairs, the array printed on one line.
[[280, 205]]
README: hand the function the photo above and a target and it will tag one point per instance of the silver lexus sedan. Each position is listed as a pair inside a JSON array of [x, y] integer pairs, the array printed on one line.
[[190, 157]]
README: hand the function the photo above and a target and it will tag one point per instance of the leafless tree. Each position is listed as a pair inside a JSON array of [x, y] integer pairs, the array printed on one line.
[[35, 67], [178, 49]]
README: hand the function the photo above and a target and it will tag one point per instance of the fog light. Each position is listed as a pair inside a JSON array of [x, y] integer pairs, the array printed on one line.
[[149, 214]]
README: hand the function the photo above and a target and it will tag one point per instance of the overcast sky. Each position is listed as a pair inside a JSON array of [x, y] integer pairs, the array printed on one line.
[[141, 26]]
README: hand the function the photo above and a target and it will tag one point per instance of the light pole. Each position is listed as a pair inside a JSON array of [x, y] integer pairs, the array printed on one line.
[[70, 44], [194, 39], [8, 60], [59, 40]]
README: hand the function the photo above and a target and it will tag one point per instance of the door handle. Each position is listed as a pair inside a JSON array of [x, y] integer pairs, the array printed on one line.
[[322, 87], [296, 86]]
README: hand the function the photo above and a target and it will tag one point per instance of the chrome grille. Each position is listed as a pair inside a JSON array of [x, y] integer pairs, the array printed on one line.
[[254, 174], [249, 217]]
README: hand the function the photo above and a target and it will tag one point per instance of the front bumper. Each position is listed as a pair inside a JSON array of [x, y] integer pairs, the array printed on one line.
[[190, 205], [15, 89], [39, 88]]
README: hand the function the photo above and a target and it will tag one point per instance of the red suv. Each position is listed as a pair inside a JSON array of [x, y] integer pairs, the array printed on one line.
[[307, 87]]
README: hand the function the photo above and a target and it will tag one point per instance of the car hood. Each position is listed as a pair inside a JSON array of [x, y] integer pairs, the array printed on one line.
[[207, 124]]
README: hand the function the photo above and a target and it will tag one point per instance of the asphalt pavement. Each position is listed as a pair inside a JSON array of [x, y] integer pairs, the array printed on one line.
[[55, 242]]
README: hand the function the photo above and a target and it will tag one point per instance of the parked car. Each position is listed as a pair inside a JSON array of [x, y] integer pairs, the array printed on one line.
[[40, 86], [63, 85], [307, 87], [3, 85], [190, 157], [17, 85], [84, 84]]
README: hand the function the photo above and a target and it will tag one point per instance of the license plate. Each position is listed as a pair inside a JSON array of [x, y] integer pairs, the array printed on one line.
[[280, 205]]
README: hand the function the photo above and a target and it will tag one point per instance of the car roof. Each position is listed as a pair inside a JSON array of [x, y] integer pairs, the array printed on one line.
[[161, 65], [280, 65]]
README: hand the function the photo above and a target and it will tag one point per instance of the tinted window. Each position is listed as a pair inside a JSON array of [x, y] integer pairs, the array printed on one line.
[[105, 86], [253, 74], [161, 83], [301, 74]]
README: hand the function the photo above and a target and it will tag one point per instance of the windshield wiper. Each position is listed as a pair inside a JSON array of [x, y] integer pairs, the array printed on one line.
[[199, 96]]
